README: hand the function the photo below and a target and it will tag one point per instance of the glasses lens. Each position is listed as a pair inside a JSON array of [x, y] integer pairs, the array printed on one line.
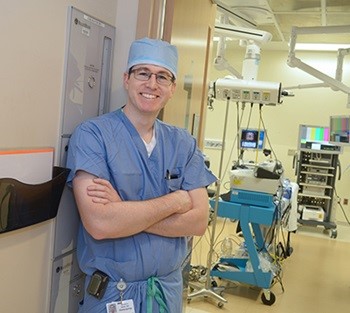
[[163, 79], [144, 75], [141, 74]]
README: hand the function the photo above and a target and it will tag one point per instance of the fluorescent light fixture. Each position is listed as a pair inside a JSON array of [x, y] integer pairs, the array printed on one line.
[[217, 38], [320, 46]]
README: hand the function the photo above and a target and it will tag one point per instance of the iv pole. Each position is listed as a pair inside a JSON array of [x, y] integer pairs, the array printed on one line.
[[208, 290]]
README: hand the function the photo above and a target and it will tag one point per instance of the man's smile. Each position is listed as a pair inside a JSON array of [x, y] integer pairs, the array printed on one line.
[[148, 96]]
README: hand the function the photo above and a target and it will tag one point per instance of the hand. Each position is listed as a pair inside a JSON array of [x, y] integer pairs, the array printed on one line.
[[102, 192]]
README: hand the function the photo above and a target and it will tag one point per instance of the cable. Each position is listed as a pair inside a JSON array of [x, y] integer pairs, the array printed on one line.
[[267, 136], [239, 121], [256, 152]]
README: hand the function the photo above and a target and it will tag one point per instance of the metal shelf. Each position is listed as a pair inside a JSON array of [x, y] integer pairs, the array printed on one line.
[[316, 173], [318, 166], [316, 186], [314, 196]]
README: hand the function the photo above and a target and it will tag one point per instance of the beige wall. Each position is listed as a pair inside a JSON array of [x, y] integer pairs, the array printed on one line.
[[33, 35], [308, 106]]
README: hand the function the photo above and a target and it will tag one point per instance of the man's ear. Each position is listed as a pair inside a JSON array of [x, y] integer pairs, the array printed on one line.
[[126, 80], [173, 88]]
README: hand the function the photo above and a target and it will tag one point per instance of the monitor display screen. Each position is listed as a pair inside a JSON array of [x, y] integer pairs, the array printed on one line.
[[312, 137], [252, 139], [340, 129], [317, 138]]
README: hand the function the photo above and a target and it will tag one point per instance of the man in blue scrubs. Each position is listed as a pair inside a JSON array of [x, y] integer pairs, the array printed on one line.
[[140, 187]]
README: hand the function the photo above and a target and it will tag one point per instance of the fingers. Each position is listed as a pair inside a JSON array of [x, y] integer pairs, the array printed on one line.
[[102, 182], [100, 200], [98, 193], [100, 185], [102, 189], [97, 187]]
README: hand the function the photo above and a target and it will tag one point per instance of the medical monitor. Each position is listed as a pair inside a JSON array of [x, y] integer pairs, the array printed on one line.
[[251, 138], [340, 129], [316, 138]]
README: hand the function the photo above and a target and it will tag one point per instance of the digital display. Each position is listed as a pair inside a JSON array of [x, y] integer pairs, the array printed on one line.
[[252, 139], [314, 134], [317, 138], [312, 137], [340, 129]]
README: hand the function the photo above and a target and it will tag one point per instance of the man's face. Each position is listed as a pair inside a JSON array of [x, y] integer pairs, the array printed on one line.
[[149, 94]]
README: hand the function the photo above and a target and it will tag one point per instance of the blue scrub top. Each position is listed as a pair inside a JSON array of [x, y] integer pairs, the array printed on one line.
[[109, 147]]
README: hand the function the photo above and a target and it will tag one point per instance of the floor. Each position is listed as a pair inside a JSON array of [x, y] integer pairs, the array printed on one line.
[[316, 277]]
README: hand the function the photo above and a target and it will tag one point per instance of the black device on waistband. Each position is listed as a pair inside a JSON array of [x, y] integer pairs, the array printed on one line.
[[98, 284]]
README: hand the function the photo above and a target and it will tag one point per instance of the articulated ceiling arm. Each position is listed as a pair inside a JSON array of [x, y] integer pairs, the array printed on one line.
[[220, 63], [331, 82], [340, 61], [293, 61]]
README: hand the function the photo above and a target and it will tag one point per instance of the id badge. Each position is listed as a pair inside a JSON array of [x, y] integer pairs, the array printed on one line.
[[126, 306]]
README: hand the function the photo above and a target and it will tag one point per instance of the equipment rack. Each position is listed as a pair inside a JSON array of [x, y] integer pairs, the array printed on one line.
[[316, 177]]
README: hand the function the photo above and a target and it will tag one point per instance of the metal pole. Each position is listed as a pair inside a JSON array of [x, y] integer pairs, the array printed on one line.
[[217, 195]]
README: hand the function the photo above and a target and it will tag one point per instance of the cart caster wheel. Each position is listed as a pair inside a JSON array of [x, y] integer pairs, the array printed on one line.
[[271, 301], [334, 233], [214, 283], [220, 305]]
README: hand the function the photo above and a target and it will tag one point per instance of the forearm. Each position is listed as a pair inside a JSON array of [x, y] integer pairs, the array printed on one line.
[[180, 225], [116, 219], [126, 218], [192, 223]]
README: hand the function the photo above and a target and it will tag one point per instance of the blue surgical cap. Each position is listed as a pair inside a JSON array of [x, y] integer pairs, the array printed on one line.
[[155, 52]]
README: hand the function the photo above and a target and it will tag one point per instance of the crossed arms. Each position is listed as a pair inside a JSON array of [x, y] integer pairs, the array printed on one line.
[[105, 215]]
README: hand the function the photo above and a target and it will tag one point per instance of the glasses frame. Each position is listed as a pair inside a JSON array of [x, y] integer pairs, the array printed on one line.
[[148, 77]]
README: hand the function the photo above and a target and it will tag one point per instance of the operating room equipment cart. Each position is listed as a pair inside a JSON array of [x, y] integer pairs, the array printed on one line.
[[252, 209], [316, 177]]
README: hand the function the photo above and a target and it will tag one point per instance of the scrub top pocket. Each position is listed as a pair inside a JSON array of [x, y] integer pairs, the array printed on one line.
[[174, 184]]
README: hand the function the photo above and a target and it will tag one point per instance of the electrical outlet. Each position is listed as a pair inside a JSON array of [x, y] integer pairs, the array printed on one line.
[[213, 143], [345, 201], [291, 152]]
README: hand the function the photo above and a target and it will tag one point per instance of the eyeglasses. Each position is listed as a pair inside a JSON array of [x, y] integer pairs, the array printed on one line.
[[144, 75]]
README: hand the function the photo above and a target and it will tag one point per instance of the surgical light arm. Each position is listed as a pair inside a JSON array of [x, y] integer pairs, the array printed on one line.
[[340, 61], [293, 61], [251, 38], [220, 63]]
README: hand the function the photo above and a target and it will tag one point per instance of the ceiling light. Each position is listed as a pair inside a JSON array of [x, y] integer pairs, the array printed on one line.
[[217, 38], [320, 46]]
